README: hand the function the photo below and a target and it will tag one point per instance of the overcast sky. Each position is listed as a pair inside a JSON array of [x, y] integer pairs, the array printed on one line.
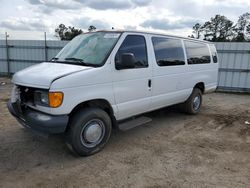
[[28, 19]]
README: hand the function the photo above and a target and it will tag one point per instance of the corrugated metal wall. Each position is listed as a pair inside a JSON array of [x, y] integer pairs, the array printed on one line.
[[20, 54], [3, 57], [234, 72], [234, 58]]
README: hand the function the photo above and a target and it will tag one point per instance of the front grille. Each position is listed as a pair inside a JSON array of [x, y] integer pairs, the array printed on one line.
[[26, 94]]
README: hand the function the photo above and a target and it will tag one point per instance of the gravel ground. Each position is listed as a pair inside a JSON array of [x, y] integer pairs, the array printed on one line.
[[211, 149]]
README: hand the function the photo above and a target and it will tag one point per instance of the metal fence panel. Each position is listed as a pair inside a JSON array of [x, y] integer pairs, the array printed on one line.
[[234, 59], [24, 53], [3, 62], [234, 72]]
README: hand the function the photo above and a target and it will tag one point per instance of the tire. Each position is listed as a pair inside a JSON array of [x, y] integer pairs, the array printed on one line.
[[193, 103], [89, 130]]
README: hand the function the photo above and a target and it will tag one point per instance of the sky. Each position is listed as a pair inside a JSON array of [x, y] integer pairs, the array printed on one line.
[[29, 19]]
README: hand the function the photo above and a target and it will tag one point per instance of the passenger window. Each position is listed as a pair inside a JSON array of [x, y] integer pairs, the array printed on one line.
[[168, 52], [136, 45], [214, 53], [197, 53]]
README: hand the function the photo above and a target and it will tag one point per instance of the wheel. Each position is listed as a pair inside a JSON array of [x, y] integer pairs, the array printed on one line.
[[89, 130], [193, 103]]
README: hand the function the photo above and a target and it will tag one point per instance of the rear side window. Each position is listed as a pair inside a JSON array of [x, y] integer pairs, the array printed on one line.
[[135, 44], [197, 53], [168, 52], [214, 53]]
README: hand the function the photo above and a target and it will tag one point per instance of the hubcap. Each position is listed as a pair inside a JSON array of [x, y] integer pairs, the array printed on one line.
[[92, 133], [196, 103]]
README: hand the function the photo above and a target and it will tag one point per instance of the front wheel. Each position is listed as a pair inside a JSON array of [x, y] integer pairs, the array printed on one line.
[[89, 131], [193, 103]]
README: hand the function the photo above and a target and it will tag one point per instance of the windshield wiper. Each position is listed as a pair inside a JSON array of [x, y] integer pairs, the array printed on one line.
[[54, 59], [79, 61], [74, 59]]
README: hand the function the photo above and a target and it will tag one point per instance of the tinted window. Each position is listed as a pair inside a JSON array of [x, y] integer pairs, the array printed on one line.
[[168, 52], [137, 45], [197, 53], [214, 53]]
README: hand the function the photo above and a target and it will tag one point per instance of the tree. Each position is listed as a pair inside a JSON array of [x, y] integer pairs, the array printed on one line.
[[67, 33], [242, 28], [218, 29], [247, 37], [197, 30], [91, 28]]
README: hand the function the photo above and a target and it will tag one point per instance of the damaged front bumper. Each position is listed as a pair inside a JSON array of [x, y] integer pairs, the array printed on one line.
[[38, 121]]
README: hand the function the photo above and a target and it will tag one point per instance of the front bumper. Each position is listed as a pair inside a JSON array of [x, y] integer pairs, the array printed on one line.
[[38, 121]]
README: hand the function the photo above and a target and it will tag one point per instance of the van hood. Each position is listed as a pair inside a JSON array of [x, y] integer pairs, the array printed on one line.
[[43, 74]]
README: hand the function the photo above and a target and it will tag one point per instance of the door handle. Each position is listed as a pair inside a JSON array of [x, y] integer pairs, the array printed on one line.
[[149, 83]]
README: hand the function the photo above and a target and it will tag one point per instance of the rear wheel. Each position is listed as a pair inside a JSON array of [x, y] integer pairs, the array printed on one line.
[[89, 131], [193, 103]]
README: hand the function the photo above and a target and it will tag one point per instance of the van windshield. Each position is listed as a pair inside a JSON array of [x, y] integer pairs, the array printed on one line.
[[90, 49]]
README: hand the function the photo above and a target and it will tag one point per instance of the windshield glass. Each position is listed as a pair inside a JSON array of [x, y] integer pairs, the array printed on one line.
[[88, 49]]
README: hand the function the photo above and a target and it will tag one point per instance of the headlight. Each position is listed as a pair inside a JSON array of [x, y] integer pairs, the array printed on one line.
[[50, 99], [41, 98]]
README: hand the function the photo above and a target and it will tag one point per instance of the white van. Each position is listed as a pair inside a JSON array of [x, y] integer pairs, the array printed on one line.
[[100, 79]]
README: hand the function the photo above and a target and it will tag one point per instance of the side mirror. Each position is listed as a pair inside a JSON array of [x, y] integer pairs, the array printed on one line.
[[127, 61]]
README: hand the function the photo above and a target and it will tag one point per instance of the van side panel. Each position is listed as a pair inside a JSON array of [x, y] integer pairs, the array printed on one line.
[[174, 84], [206, 73], [169, 82]]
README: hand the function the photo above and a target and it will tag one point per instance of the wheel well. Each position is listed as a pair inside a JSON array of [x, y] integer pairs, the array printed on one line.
[[98, 103], [200, 86]]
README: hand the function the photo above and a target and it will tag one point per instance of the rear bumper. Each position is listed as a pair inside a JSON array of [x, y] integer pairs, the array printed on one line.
[[39, 121]]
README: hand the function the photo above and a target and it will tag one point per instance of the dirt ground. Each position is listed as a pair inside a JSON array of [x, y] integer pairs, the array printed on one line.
[[211, 149]]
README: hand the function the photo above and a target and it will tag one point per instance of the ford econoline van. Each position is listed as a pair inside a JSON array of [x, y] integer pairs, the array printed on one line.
[[99, 80]]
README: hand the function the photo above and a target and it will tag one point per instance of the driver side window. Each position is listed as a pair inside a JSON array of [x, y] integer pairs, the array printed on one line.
[[136, 45]]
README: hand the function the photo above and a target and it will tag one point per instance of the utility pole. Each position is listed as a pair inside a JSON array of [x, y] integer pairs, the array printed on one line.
[[45, 47], [7, 53]]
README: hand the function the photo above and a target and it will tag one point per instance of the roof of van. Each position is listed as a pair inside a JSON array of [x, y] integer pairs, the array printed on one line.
[[153, 33]]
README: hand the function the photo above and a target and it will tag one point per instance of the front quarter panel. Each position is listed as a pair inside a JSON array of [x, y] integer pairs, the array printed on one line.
[[83, 86]]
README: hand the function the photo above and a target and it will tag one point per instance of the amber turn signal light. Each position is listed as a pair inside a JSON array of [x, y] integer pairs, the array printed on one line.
[[55, 99]]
